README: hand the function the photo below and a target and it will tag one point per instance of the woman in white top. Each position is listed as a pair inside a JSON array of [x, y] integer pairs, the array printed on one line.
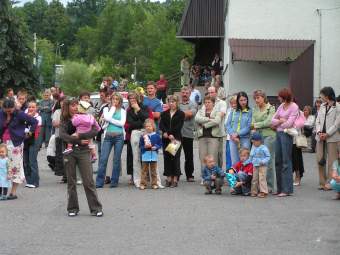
[[115, 116]]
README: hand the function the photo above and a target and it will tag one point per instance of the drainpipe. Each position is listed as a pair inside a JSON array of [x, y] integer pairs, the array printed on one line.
[[320, 44]]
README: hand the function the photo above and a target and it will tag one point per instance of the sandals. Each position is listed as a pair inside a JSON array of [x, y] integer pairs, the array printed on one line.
[[174, 185], [167, 183]]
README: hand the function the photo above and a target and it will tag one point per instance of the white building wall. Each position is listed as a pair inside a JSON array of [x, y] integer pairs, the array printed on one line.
[[286, 19]]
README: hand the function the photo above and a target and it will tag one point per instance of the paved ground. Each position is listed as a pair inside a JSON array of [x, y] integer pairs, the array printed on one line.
[[171, 221]]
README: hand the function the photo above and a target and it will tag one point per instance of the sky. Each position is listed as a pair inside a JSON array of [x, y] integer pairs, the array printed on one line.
[[64, 1], [26, 1]]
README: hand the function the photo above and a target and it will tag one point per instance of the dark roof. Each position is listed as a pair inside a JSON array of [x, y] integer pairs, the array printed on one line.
[[268, 50], [202, 19]]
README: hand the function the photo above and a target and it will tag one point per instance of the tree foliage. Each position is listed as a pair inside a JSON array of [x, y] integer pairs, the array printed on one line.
[[108, 35], [16, 56], [77, 77]]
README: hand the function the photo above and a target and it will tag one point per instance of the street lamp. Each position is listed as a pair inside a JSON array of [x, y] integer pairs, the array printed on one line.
[[57, 52]]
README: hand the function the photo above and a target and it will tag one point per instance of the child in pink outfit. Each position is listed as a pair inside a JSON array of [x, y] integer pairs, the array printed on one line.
[[84, 123]]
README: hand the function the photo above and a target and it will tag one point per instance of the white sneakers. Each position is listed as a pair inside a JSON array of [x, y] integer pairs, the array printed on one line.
[[30, 186]]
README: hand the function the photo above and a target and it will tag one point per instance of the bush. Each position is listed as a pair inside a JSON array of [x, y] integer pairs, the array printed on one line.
[[77, 77]]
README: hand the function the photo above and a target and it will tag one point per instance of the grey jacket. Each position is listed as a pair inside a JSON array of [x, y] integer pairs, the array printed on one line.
[[332, 122], [215, 121]]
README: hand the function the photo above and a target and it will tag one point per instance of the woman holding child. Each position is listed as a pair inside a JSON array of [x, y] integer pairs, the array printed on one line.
[[79, 156], [284, 118], [263, 113], [12, 133]]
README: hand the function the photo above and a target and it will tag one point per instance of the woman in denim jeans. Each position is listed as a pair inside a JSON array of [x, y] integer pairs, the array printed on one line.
[[263, 113], [283, 119], [115, 116], [238, 127]]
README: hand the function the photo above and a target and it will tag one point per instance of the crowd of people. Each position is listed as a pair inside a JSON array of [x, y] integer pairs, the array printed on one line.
[[263, 145]]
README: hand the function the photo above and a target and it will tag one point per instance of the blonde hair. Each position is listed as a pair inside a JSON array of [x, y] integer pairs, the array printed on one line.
[[119, 96], [244, 150], [151, 122], [207, 157], [233, 98], [174, 98], [4, 146]]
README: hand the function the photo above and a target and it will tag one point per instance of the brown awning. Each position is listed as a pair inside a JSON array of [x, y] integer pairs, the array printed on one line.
[[202, 19], [268, 50]]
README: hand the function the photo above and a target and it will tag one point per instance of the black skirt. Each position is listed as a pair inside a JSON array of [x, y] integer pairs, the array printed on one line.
[[297, 160], [172, 164]]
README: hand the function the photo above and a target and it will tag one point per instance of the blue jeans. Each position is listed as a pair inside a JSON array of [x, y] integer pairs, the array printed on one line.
[[269, 141], [235, 147], [117, 142], [31, 164], [245, 188], [227, 155], [283, 162], [335, 185]]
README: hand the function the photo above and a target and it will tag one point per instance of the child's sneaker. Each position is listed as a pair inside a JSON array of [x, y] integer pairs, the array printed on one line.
[[142, 187], [208, 191], [218, 192], [67, 151], [154, 186], [3, 197]]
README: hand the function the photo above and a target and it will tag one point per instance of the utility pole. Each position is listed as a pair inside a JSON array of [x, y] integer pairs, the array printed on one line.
[[135, 69]]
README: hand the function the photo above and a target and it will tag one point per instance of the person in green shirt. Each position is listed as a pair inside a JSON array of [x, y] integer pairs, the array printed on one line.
[[261, 122]]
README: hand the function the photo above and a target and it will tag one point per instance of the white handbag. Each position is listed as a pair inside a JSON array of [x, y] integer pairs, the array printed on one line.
[[301, 141]]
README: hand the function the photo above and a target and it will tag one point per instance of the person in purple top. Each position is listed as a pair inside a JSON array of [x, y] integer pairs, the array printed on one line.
[[12, 133]]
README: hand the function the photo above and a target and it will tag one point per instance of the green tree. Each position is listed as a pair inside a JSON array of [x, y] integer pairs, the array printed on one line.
[[16, 57], [46, 60], [167, 56], [77, 77]]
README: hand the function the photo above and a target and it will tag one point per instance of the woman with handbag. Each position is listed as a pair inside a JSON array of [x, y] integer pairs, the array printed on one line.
[[299, 142], [284, 118], [171, 124], [327, 135]]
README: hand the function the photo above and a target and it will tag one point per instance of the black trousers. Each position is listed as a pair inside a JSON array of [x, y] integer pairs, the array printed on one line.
[[188, 149], [59, 162], [129, 158]]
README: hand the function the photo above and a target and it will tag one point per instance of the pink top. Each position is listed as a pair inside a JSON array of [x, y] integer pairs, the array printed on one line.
[[290, 114], [84, 123], [6, 136]]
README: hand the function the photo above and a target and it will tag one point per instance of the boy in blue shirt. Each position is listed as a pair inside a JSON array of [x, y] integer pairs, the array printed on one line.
[[213, 176], [152, 102], [259, 156]]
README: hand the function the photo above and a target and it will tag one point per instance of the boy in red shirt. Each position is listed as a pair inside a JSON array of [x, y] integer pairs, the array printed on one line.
[[243, 173]]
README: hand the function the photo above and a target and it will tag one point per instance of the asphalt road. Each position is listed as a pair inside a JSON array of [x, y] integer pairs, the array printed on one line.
[[171, 221]]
